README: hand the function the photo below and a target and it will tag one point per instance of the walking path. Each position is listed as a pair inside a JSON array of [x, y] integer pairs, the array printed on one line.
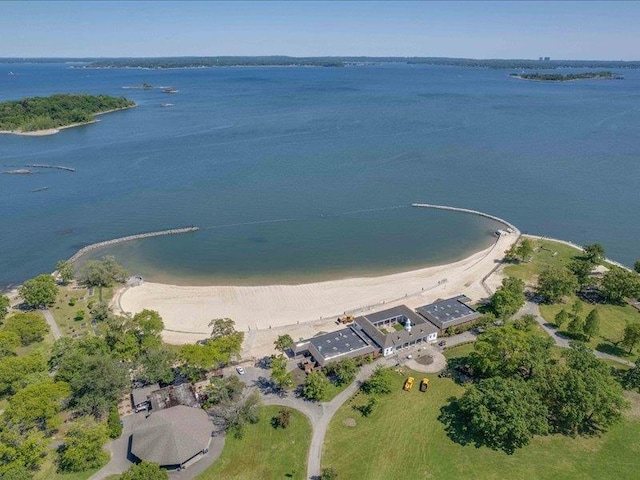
[[55, 331]]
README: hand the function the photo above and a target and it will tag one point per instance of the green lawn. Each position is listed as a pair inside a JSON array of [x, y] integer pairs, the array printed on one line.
[[403, 439], [547, 253], [265, 453], [613, 319], [65, 314]]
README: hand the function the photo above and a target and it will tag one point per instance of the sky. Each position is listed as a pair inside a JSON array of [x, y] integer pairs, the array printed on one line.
[[561, 30]]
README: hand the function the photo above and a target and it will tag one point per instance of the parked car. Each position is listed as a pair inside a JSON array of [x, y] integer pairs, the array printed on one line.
[[240, 370]]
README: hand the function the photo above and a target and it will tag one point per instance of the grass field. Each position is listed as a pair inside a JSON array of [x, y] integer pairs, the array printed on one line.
[[265, 453], [65, 314], [547, 253], [403, 439], [613, 319]]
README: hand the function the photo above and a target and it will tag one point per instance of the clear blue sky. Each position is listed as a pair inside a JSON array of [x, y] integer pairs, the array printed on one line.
[[561, 30]]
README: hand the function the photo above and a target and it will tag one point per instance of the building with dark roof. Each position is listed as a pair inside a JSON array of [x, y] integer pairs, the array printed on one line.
[[395, 328], [383, 332], [450, 312], [335, 346], [140, 397], [173, 437], [173, 395]]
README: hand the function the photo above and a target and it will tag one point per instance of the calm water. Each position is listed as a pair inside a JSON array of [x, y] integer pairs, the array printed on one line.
[[293, 172]]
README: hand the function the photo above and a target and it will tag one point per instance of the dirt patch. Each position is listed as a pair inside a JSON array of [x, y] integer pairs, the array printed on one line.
[[349, 422], [425, 360], [634, 400]]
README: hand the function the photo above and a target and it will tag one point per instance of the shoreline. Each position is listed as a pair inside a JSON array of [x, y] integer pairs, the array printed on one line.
[[53, 131], [308, 308]]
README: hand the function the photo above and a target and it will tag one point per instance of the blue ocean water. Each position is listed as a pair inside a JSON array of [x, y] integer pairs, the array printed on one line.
[[294, 173]]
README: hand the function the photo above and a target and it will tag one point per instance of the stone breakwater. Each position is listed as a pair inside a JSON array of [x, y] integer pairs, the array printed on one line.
[[94, 246], [467, 210]]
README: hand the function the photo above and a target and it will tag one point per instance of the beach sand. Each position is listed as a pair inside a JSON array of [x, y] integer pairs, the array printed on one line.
[[304, 310]]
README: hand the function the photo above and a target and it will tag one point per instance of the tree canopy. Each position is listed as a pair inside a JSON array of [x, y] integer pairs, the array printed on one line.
[[315, 386], [40, 291], [556, 283], [41, 113], [65, 270], [82, 447], [102, 273], [618, 284], [283, 342], [30, 327], [37, 405], [508, 298], [4, 306], [145, 471]]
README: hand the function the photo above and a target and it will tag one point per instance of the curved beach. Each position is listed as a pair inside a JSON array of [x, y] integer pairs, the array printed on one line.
[[312, 307]]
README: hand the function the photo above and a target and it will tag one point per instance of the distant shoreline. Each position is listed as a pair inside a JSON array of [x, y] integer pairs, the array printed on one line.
[[53, 131]]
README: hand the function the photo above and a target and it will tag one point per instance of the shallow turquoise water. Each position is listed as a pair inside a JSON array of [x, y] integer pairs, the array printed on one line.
[[304, 147]]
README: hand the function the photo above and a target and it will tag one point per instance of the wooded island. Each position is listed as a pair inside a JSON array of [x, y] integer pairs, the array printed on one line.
[[60, 110], [566, 77]]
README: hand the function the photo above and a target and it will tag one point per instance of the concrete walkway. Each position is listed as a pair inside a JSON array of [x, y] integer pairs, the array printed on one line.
[[53, 326]]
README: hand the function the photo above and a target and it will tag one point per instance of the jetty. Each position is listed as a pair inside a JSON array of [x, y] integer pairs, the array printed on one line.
[[57, 167], [94, 246], [509, 225], [20, 171]]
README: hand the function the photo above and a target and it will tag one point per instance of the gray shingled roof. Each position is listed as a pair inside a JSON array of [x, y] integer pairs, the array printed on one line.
[[448, 312], [172, 436], [420, 327]]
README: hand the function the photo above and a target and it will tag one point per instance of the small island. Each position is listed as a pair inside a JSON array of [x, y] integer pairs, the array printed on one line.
[[48, 115], [566, 77]]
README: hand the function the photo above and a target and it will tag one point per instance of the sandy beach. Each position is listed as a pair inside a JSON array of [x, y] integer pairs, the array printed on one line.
[[302, 310]]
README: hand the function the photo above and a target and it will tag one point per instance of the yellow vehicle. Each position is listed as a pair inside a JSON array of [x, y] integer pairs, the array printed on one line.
[[424, 384], [408, 384], [346, 319]]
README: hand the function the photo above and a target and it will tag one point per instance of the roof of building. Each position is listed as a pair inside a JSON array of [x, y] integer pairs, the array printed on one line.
[[448, 312], [172, 436], [173, 395], [141, 395], [339, 343], [420, 328]]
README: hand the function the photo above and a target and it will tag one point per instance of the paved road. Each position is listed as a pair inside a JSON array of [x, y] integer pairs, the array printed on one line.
[[531, 308], [55, 331]]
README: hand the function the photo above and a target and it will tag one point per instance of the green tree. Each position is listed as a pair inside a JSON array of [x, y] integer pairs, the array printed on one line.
[[20, 452], [102, 273], [157, 366], [145, 471], [96, 381], [65, 270], [636, 266], [315, 386], [592, 324], [511, 255], [223, 391], [5, 304], [631, 378], [581, 268], [501, 413], [39, 292], [148, 326], [15, 371], [576, 308], [525, 249], [281, 420], [241, 415], [279, 375], [9, 343], [594, 253], [631, 335], [582, 396], [82, 447], [576, 326], [222, 327], [343, 371], [379, 383], [507, 352], [509, 298], [617, 284], [283, 342], [38, 405], [329, 473], [561, 318], [214, 353], [100, 311], [30, 327], [555, 283], [114, 427]]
